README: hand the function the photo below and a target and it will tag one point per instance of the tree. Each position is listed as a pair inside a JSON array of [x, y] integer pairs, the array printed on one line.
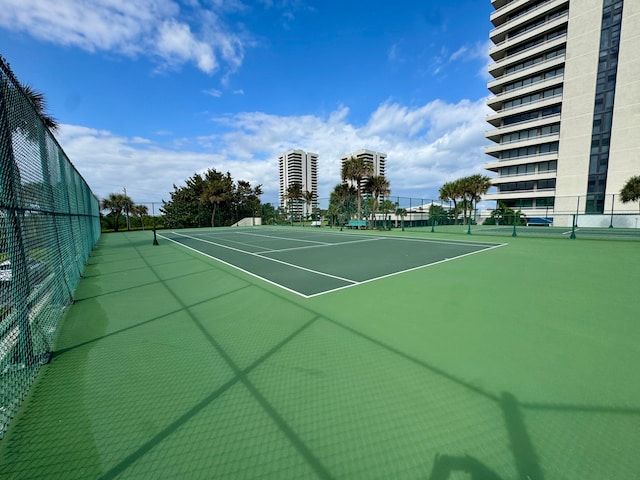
[[210, 199], [631, 190], [309, 198], [401, 212], [451, 192], [217, 188], [140, 211], [504, 215], [474, 187], [116, 203], [186, 207], [246, 199], [294, 193], [355, 170], [40, 104], [342, 203], [377, 186], [437, 214], [386, 207]]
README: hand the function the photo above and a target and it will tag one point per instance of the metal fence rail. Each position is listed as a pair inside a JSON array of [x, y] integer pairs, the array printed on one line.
[[49, 223]]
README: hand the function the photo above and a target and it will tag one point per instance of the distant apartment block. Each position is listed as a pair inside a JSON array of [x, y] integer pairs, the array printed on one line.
[[566, 97], [376, 159], [298, 166]]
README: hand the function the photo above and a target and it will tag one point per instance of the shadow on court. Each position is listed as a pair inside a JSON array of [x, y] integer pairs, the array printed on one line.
[[181, 367]]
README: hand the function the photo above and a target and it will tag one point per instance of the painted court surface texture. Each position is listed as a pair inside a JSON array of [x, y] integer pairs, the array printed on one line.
[[310, 262], [517, 362]]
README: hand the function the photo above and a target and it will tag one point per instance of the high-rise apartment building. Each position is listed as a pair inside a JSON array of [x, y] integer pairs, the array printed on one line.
[[566, 97], [376, 159], [297, 166]]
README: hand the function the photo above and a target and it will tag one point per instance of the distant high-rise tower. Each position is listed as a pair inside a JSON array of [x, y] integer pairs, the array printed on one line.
[[376, 159], [566, 101], [298, 166]]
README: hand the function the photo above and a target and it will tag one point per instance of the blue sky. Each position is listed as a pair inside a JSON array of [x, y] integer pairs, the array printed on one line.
[[150, 92]]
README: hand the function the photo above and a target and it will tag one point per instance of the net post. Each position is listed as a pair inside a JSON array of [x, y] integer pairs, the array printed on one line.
[[153, 210], [573, 228]]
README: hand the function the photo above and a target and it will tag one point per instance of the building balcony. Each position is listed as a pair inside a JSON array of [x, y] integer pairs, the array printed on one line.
[[498, 51], [499, 33], [496, 86], [495, 135], [493, 166], [495, 102], [495, 150], [497, 70], [497, 118], [516, 194], [529, 176], [500, 15]]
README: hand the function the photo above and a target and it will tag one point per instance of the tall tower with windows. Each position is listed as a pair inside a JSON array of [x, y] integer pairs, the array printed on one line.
[[298, 166], [565, 100], [377, 160]]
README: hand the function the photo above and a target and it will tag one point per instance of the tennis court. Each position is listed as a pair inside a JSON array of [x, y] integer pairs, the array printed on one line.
[[311, 262], [516, 362]]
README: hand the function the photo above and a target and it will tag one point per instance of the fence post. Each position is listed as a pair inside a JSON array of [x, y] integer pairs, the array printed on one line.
[[613, 198]]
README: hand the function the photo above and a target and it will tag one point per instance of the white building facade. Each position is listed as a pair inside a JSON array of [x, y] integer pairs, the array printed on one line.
[[298, 166], [376, 159], [566, 97]]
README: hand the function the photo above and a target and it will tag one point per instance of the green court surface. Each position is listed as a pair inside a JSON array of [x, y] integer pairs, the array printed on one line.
[[312, 262], [517, 362]]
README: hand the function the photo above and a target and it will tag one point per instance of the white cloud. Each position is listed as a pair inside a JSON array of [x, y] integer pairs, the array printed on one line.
[[145, 27], [426, 145], [213, 92]]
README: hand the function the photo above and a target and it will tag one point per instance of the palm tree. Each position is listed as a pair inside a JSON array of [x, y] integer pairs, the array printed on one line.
[[140, 211], [474, 187], [40, 104], [309, 197], [355, 170], [377, 186], [401, 212], [116, 203], [451, 192], [631, 190], [294, 193]]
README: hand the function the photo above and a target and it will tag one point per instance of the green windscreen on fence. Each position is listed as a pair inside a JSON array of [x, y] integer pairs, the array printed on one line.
[[49, 223]]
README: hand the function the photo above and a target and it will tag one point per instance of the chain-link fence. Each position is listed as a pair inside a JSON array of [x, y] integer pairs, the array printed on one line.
[[611, 218], [49, 223]]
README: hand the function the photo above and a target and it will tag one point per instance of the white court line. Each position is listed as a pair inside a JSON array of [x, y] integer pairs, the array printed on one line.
[[264, 258], [405, 271], [235, 266], [343, 234], [352, 282], [320, 246], [283, 238]]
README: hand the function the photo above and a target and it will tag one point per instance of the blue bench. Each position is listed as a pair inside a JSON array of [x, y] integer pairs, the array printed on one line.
[[539, 221], [357, 224]]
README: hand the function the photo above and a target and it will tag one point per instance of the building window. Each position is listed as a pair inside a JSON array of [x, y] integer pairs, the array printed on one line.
[[603, 105]]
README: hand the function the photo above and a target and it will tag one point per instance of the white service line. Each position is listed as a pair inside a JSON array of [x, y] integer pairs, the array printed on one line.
[[405, 271], [283, 238], [319, 246], [234, 266], [260, 256]]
